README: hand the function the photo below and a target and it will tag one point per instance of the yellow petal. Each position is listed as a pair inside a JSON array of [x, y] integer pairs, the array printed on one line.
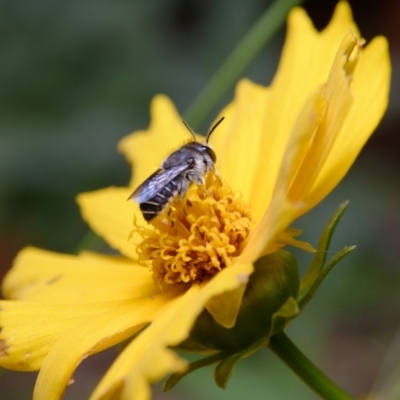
[[237, 140], [58, 292], [41, 275], [110, 214], [146, 150], [146, 359], [225, 307], [336, 95], [370, 90], [29, 330], [260, 120], [311, 154], [282, 212], [96, 333], [305, 64]]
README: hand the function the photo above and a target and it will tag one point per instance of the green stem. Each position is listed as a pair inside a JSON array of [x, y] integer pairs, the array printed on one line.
[[284, 348], [239, 60]]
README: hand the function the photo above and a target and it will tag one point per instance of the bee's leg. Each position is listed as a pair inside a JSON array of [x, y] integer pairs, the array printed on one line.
[[195, 177], [183, 187], [217, 175]]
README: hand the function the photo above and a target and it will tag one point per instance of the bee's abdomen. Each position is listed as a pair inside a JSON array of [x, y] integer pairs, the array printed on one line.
[[152, 207]]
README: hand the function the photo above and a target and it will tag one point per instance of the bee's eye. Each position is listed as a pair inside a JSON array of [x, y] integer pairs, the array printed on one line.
[[211, 153]]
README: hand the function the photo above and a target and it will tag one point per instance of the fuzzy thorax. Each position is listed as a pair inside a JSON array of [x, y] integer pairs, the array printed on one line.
[[194, 238]]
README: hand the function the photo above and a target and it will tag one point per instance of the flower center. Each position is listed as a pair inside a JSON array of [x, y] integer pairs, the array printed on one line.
[[194, 238]]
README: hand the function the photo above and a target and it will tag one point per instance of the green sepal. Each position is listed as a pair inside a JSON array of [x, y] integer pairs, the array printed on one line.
[[327, 268], [274, 280], [224, 370], [317, 270], [226, 363], [203, 362], [289, 310], [280, 319], [268, 304]]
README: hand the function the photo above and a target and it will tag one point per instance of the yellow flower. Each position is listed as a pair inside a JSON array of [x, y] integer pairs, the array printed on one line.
[[280, 151]]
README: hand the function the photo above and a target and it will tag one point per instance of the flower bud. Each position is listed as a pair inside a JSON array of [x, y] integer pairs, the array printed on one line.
[[275, 279]]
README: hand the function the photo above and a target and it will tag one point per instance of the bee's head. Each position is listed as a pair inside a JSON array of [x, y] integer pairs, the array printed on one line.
[[205, 149]]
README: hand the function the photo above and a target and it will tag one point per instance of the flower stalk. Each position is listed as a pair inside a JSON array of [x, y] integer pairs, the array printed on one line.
[[285, 349]]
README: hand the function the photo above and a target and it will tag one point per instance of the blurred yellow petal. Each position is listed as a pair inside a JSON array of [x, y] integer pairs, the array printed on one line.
[[305, 63], [313, 149], [95, 334], [109, 213], [337, 98], [55, 284], [29, 330], [314, 61], [140, 360], [224, 308], [146, 150], [370, 90], [41, 275], [282, 212], [260, 120]]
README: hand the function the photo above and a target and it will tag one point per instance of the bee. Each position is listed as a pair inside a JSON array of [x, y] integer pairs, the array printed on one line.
[[189, 164]]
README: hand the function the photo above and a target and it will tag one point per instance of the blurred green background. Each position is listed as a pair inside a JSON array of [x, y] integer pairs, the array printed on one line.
[[78, 76]]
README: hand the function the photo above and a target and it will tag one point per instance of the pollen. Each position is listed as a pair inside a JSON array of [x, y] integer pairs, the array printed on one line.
[[197, 236]]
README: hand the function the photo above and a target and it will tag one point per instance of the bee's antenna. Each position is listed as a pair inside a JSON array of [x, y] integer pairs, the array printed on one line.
[[213, 128], [190, 130]]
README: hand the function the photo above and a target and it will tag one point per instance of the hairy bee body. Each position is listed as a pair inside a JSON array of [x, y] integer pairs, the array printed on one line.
[[151, 208], [189, 164]]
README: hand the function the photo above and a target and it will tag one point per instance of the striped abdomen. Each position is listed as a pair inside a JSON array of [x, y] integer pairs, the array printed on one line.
[[152, 207]]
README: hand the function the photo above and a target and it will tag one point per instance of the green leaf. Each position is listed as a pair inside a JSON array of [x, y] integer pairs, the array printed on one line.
[[224, 369], [327, 268], [317, 264], [203, 362]]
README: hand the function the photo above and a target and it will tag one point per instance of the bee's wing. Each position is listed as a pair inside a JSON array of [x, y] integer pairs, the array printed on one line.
[[156, 182]]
